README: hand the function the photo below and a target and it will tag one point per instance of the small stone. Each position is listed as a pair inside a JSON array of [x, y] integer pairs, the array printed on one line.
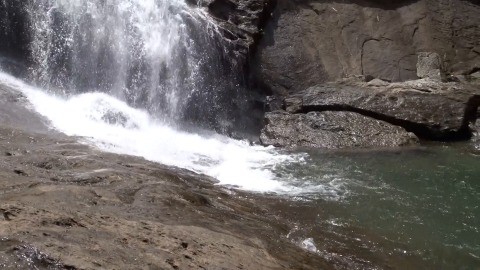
[[429, 65], [377, 83]]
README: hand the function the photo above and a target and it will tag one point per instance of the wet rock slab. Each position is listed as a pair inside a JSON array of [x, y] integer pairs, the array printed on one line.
[[332, 130]]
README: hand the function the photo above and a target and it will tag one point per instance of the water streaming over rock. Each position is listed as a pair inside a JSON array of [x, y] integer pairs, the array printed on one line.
[[161, 55], [135, 77]]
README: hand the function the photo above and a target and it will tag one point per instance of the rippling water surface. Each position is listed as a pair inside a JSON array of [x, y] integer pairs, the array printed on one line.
[[410, 209]]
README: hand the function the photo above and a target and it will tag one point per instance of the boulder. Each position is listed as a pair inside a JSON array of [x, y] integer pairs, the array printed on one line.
[[431, 110], [332, 130]]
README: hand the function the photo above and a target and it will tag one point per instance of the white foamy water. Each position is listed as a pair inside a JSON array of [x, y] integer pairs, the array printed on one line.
[[160, 55], [113, 126], [309, 244]]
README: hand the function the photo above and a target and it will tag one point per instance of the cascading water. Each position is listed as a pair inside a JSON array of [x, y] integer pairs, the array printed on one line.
[[119, 47], [159, 55], [126, 75]]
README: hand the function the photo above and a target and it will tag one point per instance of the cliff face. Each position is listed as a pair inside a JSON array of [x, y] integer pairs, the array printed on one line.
[[295, 44], [310, 42]]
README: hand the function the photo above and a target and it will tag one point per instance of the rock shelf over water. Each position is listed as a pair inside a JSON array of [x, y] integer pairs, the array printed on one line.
[[327, 115]]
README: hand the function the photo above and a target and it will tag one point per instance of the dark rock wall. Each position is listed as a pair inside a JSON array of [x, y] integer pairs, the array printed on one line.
[[241, 21], [309, 42], [14, 38]]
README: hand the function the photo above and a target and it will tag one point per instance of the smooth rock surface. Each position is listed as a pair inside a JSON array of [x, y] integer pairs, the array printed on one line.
[[332, 130], [307, 43]]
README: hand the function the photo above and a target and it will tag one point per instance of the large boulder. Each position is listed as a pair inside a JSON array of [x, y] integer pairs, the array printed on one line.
[[311, 42], [374, 114], [332, 130]]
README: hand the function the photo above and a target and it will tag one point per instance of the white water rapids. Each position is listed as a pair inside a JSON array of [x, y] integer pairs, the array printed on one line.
[[113, 126]]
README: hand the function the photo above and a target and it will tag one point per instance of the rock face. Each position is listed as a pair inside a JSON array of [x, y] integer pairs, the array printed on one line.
[[303, 44], [431, 110], [241, 21], [332, 130], [311, 42], [13, 25]]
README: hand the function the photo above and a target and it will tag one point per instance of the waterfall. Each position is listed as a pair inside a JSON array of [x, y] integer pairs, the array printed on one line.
[[143, 78], [160, 55]]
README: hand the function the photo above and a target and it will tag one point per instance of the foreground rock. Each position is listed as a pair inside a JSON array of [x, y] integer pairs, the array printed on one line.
[[430, 109], [332, 130]]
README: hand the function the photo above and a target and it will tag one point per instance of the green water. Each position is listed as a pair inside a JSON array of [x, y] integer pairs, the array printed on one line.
[[410, 209]]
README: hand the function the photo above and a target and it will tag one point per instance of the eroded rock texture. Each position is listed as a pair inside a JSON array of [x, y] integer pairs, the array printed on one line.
[[332, 130], [311, 42]]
